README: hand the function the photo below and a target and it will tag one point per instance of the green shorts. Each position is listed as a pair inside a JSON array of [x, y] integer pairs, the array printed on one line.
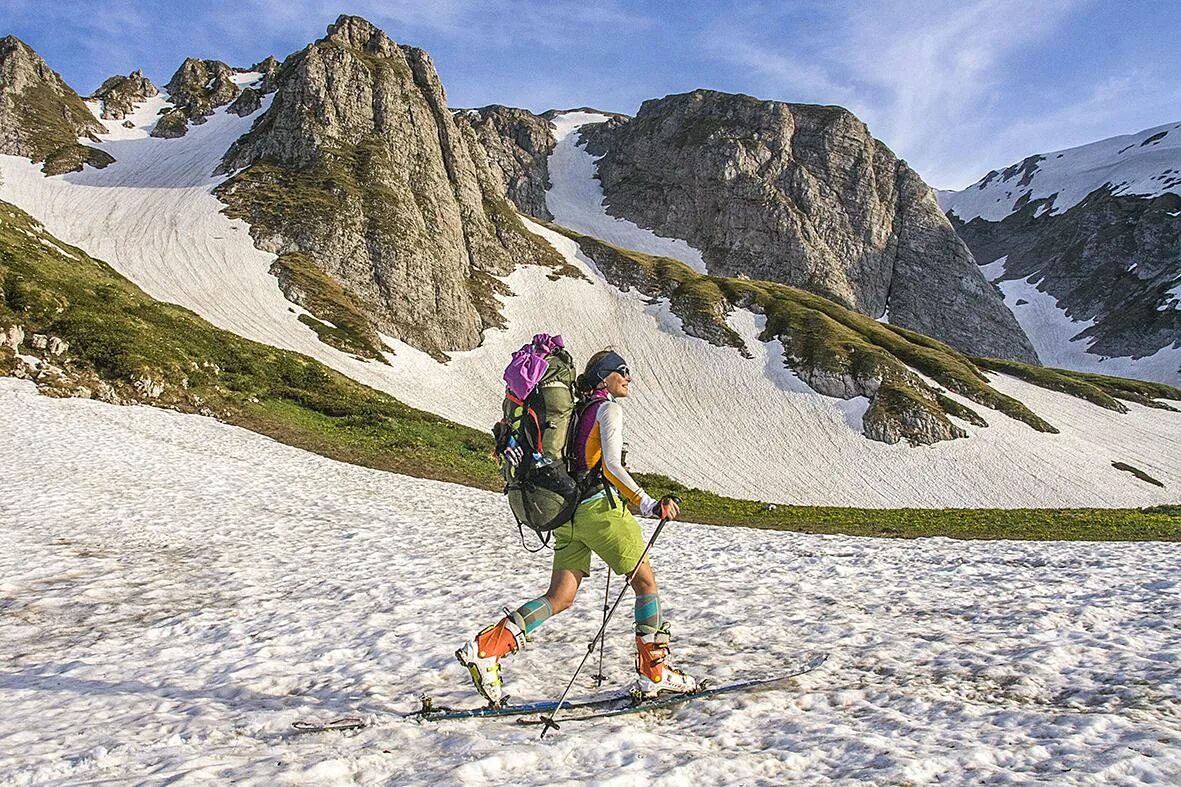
[[611, 533]]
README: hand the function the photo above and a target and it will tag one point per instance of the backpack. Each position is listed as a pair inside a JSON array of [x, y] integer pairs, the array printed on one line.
[[533, 436]]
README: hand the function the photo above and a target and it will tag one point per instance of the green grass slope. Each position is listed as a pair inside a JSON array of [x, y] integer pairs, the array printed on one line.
[[841, 352]]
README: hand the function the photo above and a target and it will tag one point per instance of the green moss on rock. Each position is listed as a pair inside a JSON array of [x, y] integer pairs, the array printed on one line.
[[327, 300]]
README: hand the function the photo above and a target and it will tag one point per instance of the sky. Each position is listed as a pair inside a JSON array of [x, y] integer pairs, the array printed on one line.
[[955, 88]]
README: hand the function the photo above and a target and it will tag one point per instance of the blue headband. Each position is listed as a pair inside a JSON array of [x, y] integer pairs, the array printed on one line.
[[604, 366]]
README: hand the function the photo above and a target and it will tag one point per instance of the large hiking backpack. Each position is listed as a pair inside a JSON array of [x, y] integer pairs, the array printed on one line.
[[534, 433]]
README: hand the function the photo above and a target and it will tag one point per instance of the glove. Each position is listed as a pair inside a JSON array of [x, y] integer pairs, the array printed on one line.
[[513, 455]]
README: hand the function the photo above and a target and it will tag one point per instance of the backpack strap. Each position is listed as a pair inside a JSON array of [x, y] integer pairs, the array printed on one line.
[[594, 475]]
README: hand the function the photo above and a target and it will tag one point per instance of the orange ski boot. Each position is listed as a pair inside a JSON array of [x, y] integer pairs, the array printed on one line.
[[482, 655], [654, 675]]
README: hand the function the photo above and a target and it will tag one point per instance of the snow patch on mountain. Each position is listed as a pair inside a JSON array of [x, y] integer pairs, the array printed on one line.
[[177, 592], [1146, 163], [575, 198]]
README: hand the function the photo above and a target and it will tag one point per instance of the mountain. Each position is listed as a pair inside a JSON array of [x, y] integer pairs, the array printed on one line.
[[1086, 245], [41, 117], [352, 217], [518, 145], [802, 195], [358, 170]]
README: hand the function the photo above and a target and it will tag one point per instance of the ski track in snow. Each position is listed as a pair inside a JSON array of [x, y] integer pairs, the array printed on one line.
[[151, 215], [176, 592]]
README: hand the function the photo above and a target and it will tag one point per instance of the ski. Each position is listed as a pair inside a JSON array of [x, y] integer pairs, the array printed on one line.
[[431, 712], [336, 725], [669, 700]]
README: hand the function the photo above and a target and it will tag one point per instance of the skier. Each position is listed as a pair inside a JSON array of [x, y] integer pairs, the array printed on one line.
[[602, 524]]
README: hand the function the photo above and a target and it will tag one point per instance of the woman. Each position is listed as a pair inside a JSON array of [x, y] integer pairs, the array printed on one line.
[[602, 524]]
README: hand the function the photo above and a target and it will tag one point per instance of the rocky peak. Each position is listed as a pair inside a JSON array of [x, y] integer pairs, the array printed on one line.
[[41, 117], [518, 145], [196, 89], [120, 94], [386, 193], [357, 33], [803, 195]]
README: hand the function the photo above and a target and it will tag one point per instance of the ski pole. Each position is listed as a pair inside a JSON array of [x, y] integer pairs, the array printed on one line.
[[600, 678], [548, 721]]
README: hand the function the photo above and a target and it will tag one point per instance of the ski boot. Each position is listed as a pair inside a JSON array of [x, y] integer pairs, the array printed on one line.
[[482, 655], [654, 675]]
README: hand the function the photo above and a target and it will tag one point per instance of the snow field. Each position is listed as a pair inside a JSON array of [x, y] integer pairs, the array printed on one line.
[[176, 592], [1146, 163], [1055, 335], [702, 414]]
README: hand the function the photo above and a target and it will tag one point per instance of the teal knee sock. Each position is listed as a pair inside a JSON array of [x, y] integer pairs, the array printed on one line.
[[648, 610], [535, 612]]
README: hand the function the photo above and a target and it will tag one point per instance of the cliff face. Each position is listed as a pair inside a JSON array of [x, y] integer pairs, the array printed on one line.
[[41, 117], [802, 195], [1111, 259], [359, 164], [518, 145]]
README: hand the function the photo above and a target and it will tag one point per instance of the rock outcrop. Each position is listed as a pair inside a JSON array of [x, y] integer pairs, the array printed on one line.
[[269, 69], [802, 195], [41, 117], [250, 99], [196, 89], [120, 95], [518, 145], [359, 164]]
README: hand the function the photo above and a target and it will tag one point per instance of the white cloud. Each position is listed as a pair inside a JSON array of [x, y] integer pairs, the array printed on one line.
[[926, 76]]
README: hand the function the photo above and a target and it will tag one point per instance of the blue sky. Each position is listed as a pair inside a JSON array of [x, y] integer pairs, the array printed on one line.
[[956, 88]]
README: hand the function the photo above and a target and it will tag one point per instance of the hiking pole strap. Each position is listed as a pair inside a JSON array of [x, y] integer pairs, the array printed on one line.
[[549, 720]]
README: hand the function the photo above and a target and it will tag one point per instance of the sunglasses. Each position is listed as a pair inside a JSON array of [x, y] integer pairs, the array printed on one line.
[[626, 372]]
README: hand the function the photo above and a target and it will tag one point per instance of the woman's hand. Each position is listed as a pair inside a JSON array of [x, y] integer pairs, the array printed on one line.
[[670, 507]]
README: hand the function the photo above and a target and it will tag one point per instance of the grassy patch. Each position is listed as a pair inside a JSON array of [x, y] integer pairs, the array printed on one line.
[[1099, 389], [696, 299], [1161, 523], [327, 299], [50, 120], [838, 351], [1143, 476], [71, 158]]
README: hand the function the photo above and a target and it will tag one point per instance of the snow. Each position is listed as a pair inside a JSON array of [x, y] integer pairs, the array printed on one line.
[[1056, 337], [177, 592], [994, 270], [1134, 164], [702, 414], [576, 197]]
